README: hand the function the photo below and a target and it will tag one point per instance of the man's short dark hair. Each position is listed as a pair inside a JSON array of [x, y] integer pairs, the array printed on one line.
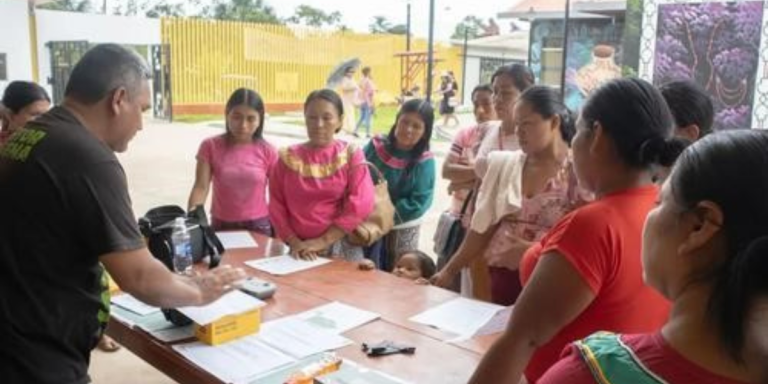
[[690, 105], [103, 69]]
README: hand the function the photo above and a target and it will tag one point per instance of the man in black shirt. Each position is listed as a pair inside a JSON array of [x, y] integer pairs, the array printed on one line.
[[65, 216]]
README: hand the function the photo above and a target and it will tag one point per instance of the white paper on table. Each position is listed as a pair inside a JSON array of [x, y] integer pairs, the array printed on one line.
[[283, 265], [497, 324], [236, 239], [299, 339], [134, 305], [232, 303], [235, 361], [461, 316], [114, 314], [337, 317]]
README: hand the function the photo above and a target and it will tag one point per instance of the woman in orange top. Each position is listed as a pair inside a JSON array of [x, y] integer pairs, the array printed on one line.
[[585, 275]]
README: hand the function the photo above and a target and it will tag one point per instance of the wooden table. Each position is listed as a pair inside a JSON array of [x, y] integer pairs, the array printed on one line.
[[395, 299]]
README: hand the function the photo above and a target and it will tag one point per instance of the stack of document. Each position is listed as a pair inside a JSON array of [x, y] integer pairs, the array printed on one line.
[[466, 317], [136, 314], [278, 343], [232, 303], [132, 304], [349, 373]]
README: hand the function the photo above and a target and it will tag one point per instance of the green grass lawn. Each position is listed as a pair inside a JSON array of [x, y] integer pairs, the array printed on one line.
[[383, 119], [192, 119]]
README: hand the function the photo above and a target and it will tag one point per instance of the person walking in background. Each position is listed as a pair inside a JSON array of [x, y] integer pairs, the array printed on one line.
[[447, 91], [367, 106], [705, 248], [320, 190], [22, 101], [237, 163], [404, 158], [350, 95]]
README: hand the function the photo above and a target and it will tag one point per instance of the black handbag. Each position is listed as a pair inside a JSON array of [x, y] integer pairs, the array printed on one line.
[[157, 228], [454, 238]]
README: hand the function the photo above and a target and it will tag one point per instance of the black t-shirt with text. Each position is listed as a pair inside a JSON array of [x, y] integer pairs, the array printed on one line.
[[63, 203]]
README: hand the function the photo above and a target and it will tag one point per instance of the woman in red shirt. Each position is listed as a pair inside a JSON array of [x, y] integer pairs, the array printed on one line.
[[705, 247], [585, 275]]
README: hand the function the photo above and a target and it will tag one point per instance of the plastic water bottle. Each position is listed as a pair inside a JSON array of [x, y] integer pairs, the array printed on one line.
[[182, 247]]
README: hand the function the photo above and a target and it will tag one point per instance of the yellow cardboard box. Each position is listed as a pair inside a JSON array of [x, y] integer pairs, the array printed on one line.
[[229, 327]]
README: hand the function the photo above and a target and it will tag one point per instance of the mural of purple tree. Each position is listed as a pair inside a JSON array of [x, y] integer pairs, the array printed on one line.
[[717, 45]]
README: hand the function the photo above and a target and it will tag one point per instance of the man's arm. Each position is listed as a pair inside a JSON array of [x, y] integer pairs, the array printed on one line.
[[138, 273]]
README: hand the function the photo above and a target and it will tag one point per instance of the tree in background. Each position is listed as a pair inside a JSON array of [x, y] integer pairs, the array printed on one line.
[[68, 5], [382, 25], [150, 8], [471, 25], [632, 37], [164, 8], [255, 11], [314, 17]]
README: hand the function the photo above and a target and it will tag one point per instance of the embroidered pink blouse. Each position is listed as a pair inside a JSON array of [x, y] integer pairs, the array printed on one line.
[[309, 190], [539, 213]]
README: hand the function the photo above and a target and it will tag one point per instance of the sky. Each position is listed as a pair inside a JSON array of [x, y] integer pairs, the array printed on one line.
[[359, 14]]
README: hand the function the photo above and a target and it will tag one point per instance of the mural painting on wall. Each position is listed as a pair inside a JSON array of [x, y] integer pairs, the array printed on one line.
[[594, 54], [717, 45]]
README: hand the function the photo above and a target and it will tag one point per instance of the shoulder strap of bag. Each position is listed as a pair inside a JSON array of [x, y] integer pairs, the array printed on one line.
[[465, 205], [351, 149], [211, 242]]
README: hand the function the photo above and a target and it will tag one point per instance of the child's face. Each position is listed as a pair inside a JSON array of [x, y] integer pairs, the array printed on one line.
[[407, 267], [483, 102]]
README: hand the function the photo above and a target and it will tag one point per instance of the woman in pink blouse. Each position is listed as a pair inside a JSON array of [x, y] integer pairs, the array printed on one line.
[[321, 190], [237, 163], [549, 189]]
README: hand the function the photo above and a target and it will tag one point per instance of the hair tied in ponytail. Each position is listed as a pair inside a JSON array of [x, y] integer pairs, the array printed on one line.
[[737, 286], [661, 151]]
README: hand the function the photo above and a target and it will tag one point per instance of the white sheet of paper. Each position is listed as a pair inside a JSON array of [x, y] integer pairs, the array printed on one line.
[[232, 303], [235, 361], [337, 317], [134, 305], [283, 265], [236, 239], [299, 339], [497, 324], [461, 316]]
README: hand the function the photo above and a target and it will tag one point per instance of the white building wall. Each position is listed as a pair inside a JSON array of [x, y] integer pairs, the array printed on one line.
[[471, 79], [94, 28], [14, 41]]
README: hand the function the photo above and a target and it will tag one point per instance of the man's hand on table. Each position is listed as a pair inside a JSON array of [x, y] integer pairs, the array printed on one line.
[[215, 283]]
